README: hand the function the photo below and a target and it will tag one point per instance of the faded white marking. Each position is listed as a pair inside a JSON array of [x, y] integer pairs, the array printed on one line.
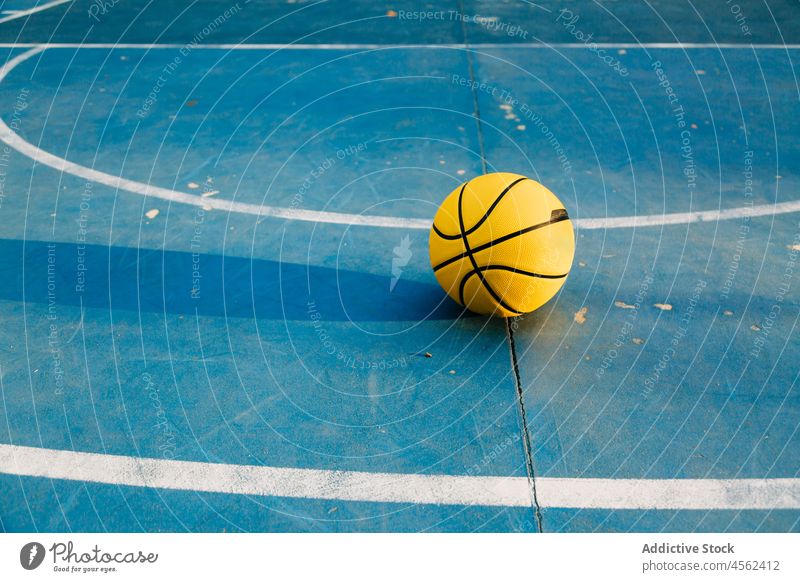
[[400, 487], [270, 481], [15, 141], [21, 13]]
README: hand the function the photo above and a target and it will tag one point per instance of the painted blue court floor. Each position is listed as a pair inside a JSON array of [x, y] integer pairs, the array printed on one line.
[[217, 311]]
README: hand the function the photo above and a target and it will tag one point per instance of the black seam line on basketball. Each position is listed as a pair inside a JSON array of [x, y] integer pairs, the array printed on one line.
[[483, 280], [485, 216], [466, 277], [522, 272], [502, 239], [440, 234]]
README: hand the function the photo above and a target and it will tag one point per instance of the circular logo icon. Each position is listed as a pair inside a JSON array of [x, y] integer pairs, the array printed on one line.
[[31, 555]]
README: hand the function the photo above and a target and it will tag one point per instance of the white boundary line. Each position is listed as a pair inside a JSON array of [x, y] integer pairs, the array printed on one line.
[[674, 494], [368, 46], [35, 9], [16, 142]]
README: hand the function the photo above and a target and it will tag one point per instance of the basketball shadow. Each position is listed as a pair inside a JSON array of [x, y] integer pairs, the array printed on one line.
[[184, 283]]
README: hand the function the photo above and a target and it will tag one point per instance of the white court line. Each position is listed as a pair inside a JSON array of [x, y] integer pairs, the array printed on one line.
[[35, 9], [16, 142], [378, 46], [587, 493]]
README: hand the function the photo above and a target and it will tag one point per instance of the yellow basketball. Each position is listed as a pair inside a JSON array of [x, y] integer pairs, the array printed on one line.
[[501, 244]]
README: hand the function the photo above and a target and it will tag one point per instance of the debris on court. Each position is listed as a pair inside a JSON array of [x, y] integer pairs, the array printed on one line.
[[663, 306], [581, 264], [623, 305], [638, 341], [193, 185], [793, 247], [755, 327], [428, 355], [209, 193], [580, 315], [727, 312], [151, 214], [452, 372]]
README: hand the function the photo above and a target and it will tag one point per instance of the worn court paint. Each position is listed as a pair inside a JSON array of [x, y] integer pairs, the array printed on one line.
[[282, 482], [702, 390], [362, 21], [245, 46], [648, 494], [646, 392]]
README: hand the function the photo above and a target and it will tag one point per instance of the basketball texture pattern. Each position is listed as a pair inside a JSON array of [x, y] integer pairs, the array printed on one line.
[[501, 244]]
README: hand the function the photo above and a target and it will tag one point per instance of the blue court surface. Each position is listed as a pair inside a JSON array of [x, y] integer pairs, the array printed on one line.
[[217, 311]]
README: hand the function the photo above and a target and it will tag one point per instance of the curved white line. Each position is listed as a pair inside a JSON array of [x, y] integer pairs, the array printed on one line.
[[765, 494], [16, 142]]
